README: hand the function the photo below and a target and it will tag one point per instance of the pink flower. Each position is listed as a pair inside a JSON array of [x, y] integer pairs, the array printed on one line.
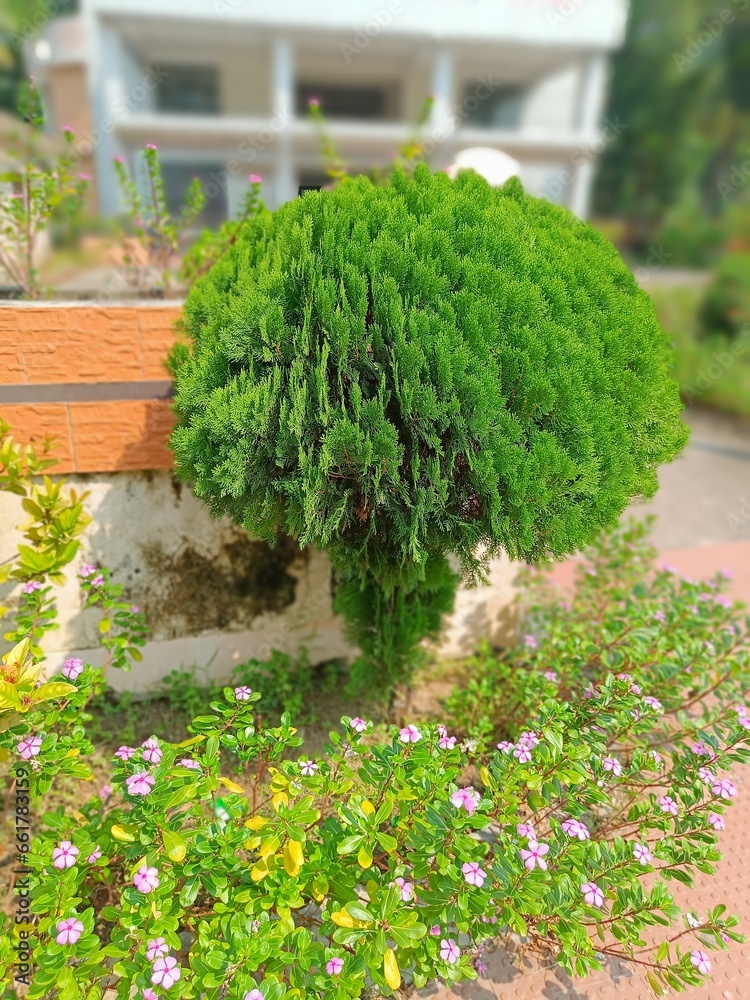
[[308, 768], [446, 742], [72, 668], [334, 966], [146, 880], [589, 692], [744, 721], [701, 961], [407, 889], [717, 821], [83, 176], [550, 675], [642, 854], [29, 747], [31, 586], [592, 894], [529, 739], [530, 642], [656, 757], [534, 855], [95, 855], [149, 994], [64, 855], [409, 734], [358, 725], [156, 948], [256, 179], [575, 828], [165, 972], [522, 753], [659, 616], [188, 762], [653, 703], [668, 805], [125, 753], [701, 749], [473, 874], [87, 570], [98, 580], [435, 930], [612, 764], [151, 145], [254, 995], [635, 688], [104, 792], [466, 798], [140, 784], [724, 788], [449, 951], [706, 775], [313, 102], [243, 693], [526, 830], [506, 746], [152, 752], [68, 931]]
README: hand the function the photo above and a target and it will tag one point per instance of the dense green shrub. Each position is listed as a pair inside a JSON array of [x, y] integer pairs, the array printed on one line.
[[726, 306], [424, 369]]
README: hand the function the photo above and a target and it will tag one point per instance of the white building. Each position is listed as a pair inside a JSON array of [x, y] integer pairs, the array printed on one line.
[[222, 86]]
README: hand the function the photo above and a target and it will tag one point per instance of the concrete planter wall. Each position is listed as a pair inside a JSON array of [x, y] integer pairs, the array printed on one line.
[[94, 378]]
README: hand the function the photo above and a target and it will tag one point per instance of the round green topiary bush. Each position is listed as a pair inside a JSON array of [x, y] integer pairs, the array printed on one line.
[[402, 373]]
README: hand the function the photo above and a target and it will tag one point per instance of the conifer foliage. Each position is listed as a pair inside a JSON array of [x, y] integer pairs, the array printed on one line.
[[429, 368]]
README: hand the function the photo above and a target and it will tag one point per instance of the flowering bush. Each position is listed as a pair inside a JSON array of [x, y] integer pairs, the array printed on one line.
[[221, 867]]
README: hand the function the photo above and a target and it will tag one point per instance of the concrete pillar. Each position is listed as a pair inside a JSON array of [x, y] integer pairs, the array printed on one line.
[[590, 104], [283, 99], [441, 130], [107, 93]]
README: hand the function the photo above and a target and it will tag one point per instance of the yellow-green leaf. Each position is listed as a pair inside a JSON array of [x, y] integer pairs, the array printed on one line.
[[232, 786], [174, 845], [391, 970], [125, 832]]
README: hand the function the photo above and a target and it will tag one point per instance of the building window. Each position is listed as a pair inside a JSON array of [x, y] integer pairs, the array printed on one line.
[[213, 176], [371, 103], [188, 90], [501, 109]]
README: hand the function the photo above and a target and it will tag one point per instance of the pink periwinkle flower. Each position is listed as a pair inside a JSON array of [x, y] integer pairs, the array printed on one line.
[[706, 775], [146, 879], [72, 668], [29, 747], [87, 570], [522, 753], [407, 889], [125, 753], [189, 763], [435, 930], [156, 948], [64, 855], [656, 757], [242, 693], [642, 854], [526, 830], [256, 179], [653, 703], [533, 856], [140, 784], [717, 821], [95, 855], [313, 102], [358, 725], [151, 145], [149, 994], [701, 749], [449, 951], [724, 788], [334, 966], [446, 742], [723, 600], [31, 586], [668, 805], [466, 798], [635, 688], [473, 874], [592, 894], [308, 768], [550, 675], [409, 734], [152, 752], [589, 692], [165, 972], [506, 746], [254, 995], [575, 828], [104, 792], [530, 642], [659, 616], [701, 961], [612, 764], [744, 721], [529, 738], [98, 580], [69, 931]]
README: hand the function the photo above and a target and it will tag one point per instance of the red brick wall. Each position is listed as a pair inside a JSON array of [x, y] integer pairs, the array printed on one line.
[[70, 345]]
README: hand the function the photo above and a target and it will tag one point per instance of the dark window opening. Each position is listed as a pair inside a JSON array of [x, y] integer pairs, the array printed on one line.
[[501, 109], [189, 90], [371, 103]]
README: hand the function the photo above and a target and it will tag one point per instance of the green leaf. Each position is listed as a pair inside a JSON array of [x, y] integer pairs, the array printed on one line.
[[174, 844]]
